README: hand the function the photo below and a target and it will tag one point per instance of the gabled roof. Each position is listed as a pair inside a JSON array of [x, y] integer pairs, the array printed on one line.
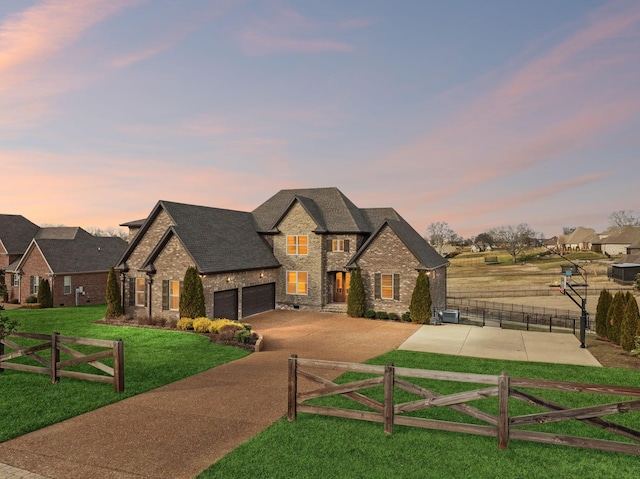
[[61, 232], [579, 235], [133, 223], [332, 210], [83, 253], [218, 240], [625, 235], [428, 258], [16, 232]]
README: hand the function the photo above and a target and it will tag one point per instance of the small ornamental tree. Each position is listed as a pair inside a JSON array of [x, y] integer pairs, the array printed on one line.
[[604, 302], [7, 326], [44, 294], [614, 317], [114, 300], [629, 326], [355, 300], [420, 306], [192, 296]]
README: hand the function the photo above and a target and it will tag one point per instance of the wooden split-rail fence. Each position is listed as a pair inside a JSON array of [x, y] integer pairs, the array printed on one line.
[[54, 366], [503, 387]]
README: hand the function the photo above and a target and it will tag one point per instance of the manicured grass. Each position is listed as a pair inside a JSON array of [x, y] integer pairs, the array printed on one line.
[[153, 358], [316, 446]]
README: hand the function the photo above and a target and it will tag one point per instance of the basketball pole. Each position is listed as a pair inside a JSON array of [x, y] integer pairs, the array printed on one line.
[[583, 300]]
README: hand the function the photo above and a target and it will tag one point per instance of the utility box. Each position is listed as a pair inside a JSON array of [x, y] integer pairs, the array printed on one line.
[[451, 316]]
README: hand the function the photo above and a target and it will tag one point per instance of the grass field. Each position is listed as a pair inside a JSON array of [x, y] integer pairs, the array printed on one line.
[[316, 446], [153, 358]]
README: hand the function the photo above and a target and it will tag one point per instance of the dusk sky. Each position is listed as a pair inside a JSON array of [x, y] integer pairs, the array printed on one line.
[[477, 113]]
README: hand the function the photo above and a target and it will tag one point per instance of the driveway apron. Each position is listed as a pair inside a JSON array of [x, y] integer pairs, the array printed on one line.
[[180, 429]]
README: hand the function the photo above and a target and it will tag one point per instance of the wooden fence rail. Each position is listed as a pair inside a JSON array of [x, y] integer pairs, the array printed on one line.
[[503, 387], [54, 366]]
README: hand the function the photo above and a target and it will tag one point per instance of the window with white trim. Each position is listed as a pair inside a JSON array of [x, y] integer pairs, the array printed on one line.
[[35, 283], [297, 282], [16, 280], [297, 245], [67, 285], [337, 245]]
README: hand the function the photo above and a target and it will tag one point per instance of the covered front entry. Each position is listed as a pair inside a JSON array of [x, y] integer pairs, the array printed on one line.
[[341, 281]]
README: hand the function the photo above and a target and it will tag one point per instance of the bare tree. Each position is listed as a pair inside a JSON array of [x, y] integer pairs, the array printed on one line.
[[108, 232], [515, 239], [438, 234], [622, 218], [483, 241]]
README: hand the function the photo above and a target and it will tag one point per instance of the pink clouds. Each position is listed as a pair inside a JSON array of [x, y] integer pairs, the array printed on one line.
[[288, 31]]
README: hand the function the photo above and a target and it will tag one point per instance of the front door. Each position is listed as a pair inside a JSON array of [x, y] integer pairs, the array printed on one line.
[[341, 286]]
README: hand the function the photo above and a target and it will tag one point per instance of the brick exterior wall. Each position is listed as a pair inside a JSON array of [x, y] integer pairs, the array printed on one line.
[[171, 264], [388, 254], [298, 222]]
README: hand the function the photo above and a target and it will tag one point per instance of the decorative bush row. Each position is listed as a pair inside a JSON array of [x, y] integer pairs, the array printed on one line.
[[213, 326]]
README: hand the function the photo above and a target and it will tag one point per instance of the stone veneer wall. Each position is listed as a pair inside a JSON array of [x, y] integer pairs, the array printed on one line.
[[298, 222], [388, 254]]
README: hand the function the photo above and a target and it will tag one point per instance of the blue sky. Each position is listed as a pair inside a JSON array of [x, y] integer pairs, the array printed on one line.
[[480, 114]]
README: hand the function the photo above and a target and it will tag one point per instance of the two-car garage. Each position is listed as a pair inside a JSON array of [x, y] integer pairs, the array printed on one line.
[[255, 299]]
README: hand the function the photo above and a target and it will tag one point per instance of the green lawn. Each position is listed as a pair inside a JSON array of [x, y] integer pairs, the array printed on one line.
[[153, 358], [316, 446]]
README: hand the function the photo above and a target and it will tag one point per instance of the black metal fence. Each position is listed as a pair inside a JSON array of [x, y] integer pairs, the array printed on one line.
[[517, 315]]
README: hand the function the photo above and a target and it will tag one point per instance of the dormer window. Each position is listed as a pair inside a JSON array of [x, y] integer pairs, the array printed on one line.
[[297, 245]]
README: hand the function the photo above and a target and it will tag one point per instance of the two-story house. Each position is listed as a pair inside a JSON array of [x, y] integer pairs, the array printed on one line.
[[295, 251]]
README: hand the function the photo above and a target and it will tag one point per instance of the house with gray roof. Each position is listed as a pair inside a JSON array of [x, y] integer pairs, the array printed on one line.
[[617, 241], [75, 263], [294, 251], [16, 232]]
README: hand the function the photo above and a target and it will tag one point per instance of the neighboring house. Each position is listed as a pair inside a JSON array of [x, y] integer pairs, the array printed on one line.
[[617, 241], [75, 263], [579, 240], [626, 269], [295, 251], [16, 232]]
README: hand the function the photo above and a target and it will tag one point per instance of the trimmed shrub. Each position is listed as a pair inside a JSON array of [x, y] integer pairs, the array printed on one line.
[[243, 336], [406, 316], [356, 298], [614, 317], [114, 299], [394, 316], [31, 299], [369, 314], [420, 306], [629, 326], [382, 315], [44, 294], [604, 302], [192, 295], [185, 324], [217, 324], [201, 325]]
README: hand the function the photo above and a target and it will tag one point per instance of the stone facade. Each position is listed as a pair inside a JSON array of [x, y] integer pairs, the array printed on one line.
[[387, 254], [298, 222]]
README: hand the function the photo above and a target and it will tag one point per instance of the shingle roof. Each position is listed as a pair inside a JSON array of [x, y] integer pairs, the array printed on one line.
[[60, 232], [16, 232], [335, 212], [579, 235], [426, 255], [625, 235], [218, 240], [82, 254]]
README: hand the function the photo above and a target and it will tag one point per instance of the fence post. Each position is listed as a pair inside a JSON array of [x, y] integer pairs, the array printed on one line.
[[389, 373], [55, 357], [503, 414], [118, 366], [527, 322], [1, 353], [293, 388], [550, 319]]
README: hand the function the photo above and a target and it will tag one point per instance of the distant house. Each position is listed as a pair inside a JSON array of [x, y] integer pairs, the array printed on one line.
[[579, 240], [75, 263], [617, 241], [626, 269], [16, 232], [295, 251]]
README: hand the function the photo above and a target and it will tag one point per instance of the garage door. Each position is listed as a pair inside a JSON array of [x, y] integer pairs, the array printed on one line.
[[256, 299], [225, 304]]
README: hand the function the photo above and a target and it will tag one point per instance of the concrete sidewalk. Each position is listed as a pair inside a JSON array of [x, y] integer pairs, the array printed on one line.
[[180, 429], [496, 343]]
